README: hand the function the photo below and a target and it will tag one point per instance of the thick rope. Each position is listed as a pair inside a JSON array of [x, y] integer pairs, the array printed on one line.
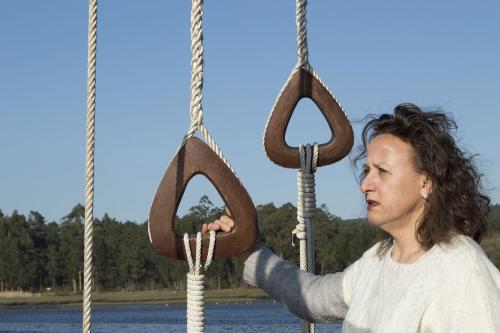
[[306, 206], [301, 21], [89, 180], [196, 283], [197, 62]]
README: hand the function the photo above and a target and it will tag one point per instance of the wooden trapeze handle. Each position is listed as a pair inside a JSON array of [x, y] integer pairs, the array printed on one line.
[[304, 84], [195, 157]]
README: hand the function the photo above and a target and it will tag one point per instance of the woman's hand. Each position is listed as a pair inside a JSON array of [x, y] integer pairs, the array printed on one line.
[[224, 223]]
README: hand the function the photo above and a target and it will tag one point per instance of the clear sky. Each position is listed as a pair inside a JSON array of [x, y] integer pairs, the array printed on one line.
[[372, 55]]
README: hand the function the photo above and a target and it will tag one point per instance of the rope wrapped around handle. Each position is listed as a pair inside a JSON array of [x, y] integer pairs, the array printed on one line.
[[196, 283], [306, 206]]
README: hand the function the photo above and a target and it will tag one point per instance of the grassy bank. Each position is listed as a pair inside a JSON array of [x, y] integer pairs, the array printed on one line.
[[149, 296]]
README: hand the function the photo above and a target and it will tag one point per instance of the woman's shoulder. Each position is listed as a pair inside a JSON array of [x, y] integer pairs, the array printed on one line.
[[461, 248], [466, 289], [372, 252], [463, 257]]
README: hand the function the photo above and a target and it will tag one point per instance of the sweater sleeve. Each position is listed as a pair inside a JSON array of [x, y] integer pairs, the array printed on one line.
[[310, 297], [469, 303]]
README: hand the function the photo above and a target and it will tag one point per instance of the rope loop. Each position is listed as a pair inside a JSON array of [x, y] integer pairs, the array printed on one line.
[[197, 70]]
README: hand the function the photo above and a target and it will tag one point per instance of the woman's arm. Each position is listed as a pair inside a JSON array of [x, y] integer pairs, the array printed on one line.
[[308, 296]]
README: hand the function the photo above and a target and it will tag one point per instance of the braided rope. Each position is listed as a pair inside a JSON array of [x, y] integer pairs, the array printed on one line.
[[197, 63], [196, 283], [301, 21], [89, 182], [306, 206]]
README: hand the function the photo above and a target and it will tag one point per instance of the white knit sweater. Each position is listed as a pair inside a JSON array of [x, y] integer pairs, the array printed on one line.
[[451, 288]]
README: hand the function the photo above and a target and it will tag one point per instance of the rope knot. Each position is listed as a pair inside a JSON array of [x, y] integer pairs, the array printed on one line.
[[299, 232]]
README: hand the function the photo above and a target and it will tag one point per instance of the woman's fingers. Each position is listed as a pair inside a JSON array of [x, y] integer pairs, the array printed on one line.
[[210, 226], [214, 226], [225, 224]]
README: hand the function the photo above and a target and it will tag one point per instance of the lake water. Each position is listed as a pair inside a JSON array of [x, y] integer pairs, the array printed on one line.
[[240, 317]]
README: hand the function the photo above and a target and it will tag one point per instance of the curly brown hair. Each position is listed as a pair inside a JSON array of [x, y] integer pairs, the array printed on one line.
[[456, 204]]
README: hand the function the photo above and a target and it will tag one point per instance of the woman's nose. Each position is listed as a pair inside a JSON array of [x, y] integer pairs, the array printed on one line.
[[366, 184]]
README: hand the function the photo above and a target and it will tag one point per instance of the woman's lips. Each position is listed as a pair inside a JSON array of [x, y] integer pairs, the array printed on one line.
[[371, 203]]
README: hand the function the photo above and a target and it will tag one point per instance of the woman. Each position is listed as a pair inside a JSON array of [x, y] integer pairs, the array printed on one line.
[[429, 274]]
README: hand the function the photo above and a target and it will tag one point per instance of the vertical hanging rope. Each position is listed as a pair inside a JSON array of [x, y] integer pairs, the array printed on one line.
[[301, 20], [89, 179], [197, 62], [196, 283], [306, 206]]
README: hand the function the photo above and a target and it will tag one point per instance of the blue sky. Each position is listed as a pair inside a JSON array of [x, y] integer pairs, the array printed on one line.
[[372, 55]]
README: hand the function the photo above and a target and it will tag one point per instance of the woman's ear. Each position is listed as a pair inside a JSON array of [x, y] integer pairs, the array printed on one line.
[[426, 187]]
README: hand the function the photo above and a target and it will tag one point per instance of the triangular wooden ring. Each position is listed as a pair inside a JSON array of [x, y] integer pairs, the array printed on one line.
[[305, 84], [193, 158]]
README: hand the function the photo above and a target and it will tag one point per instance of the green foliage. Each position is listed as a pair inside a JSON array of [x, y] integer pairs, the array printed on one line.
[[71, 247], [52, 255], [17, 253], [494, 225], [491, 246], [35, 254]]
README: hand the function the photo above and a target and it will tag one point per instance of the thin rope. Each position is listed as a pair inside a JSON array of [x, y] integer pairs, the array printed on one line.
[[197, 63], [89, 183], [306, 207], [196, 283]]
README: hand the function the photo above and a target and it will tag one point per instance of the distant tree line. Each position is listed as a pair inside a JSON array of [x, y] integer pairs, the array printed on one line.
[[36, 255]]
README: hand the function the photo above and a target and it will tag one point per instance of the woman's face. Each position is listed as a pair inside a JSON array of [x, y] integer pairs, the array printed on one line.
[[394, 190]]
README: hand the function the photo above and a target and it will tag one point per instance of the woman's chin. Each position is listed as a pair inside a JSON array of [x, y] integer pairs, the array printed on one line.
[[372, 219]]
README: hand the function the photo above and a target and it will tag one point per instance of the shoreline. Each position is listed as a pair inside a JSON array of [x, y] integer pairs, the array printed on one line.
[[162, 296]]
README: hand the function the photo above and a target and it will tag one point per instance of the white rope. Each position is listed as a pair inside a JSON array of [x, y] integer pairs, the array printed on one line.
[[301, 21], [197, 62], [195, 277], [196, 283], [89, 179], [306, 206]]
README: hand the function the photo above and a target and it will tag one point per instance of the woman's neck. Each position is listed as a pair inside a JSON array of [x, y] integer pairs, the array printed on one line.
[[406, 249]]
